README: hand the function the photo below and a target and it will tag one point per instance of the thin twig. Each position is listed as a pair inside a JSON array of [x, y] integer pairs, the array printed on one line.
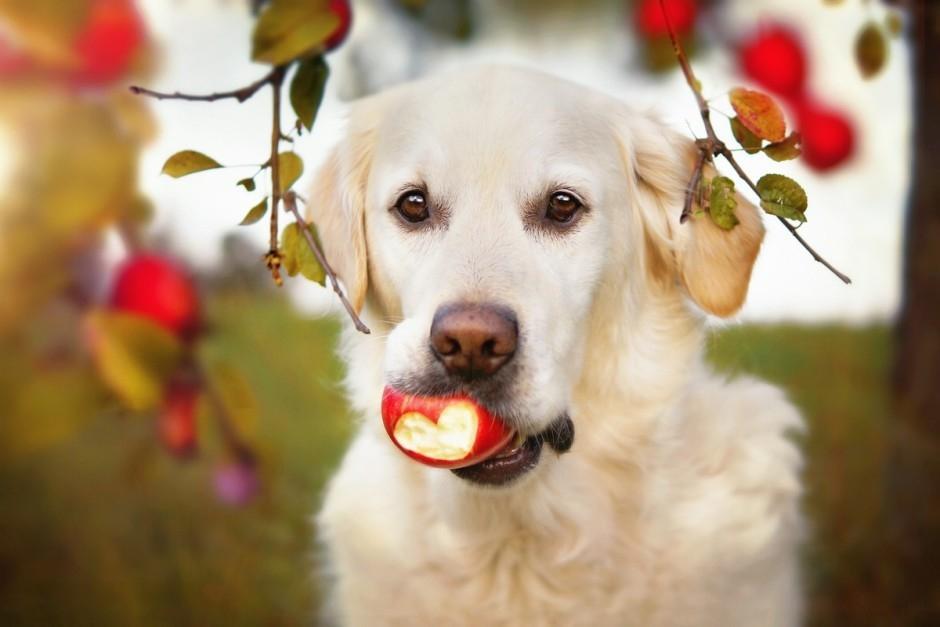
[[693, 186], [241, 95], [290, 205], [712, 146], [277, 79], [744, 177]]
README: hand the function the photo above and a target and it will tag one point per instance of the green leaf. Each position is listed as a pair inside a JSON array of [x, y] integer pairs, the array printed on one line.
[[289, 29], [257, 212], [290, 167], [759, 113], [298, 258], [747, 140], [782, 196], [871, 50], [306, 90], [134, 356], [189, 162], [236, 396], [785, 150], [248, 184], [722, 203]]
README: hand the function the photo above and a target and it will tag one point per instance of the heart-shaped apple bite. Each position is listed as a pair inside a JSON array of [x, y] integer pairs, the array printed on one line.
[[445, 432]]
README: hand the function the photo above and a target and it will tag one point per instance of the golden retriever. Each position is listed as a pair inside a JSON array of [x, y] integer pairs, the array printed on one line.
[[557, 208]]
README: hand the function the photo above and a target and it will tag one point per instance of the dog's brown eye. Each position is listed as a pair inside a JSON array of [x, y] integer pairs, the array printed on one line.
[[562, 207], [412, 206]]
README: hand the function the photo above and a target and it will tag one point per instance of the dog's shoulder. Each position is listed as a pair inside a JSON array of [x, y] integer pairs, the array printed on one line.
[[735, 467]]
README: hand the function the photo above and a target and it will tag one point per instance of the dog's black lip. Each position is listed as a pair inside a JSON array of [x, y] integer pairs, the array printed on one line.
[[499, 471]]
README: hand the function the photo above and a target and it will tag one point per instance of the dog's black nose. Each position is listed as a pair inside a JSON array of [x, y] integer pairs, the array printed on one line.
[[474, 339]]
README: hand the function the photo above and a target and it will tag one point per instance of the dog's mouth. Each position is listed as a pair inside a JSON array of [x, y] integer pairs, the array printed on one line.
[[458, 433], [519, 456]]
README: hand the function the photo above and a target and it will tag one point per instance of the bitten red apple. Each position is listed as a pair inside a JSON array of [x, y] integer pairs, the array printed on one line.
[[774, 58], [445, 432], [343, 10], [651, 22], [156, 288], [176, 422]]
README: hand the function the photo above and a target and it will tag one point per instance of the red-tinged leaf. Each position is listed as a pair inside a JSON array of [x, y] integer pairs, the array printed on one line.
[[759, 113], [745, 138], [785, 150], [871, 50], [782, 196]]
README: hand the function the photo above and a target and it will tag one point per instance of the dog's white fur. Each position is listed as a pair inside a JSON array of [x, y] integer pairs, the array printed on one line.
[[678, 504]]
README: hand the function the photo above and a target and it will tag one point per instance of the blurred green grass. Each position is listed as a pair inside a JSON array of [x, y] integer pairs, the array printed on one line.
[[106, 529]]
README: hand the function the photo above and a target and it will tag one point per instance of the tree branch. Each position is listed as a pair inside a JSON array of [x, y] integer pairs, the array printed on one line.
[[712, 146], [241, 95], [290, 205], [274, 257]]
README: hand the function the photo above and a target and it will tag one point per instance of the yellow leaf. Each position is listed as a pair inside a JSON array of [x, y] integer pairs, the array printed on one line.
[[134, 356], [290, 167], [289, 29], [189, 162]]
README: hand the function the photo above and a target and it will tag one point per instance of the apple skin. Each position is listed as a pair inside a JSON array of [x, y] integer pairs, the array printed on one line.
[[828, 136], [107, 44], [155, 287], [176, 422], [651, 22], [491, 435], [343, 10], [774, 57]]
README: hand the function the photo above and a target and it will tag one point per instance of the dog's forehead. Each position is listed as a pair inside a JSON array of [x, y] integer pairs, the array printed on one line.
[[505, 116]]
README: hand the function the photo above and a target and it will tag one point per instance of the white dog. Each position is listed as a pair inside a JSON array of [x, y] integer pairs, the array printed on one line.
[[552, 212]]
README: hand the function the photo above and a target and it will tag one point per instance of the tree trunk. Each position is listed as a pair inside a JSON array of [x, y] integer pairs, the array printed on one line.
[[913, 473]]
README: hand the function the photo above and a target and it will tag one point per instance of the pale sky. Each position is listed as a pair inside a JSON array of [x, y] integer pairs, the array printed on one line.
[[855, 215]]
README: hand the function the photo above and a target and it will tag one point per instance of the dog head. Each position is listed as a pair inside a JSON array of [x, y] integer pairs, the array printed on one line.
[[482, 213]]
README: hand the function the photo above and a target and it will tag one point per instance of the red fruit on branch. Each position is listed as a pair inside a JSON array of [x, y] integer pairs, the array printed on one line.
[[775, 59], [651, 21], [106, 45], [156, 288], [343, 10], [176, 423], [828, 136], [442, 432]]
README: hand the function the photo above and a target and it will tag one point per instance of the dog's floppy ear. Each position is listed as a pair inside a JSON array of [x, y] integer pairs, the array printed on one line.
[[337, 205], [713, 265]]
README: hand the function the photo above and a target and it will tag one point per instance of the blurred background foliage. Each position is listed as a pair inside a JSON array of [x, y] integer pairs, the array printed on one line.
[[167, 475]]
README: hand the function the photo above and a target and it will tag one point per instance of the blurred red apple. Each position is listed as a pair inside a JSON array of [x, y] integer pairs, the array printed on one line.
[[651, 22], [106, 45], [775, 59], [828, 136], [343, 10], [156, 288], [176, 422], [445, 432]]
